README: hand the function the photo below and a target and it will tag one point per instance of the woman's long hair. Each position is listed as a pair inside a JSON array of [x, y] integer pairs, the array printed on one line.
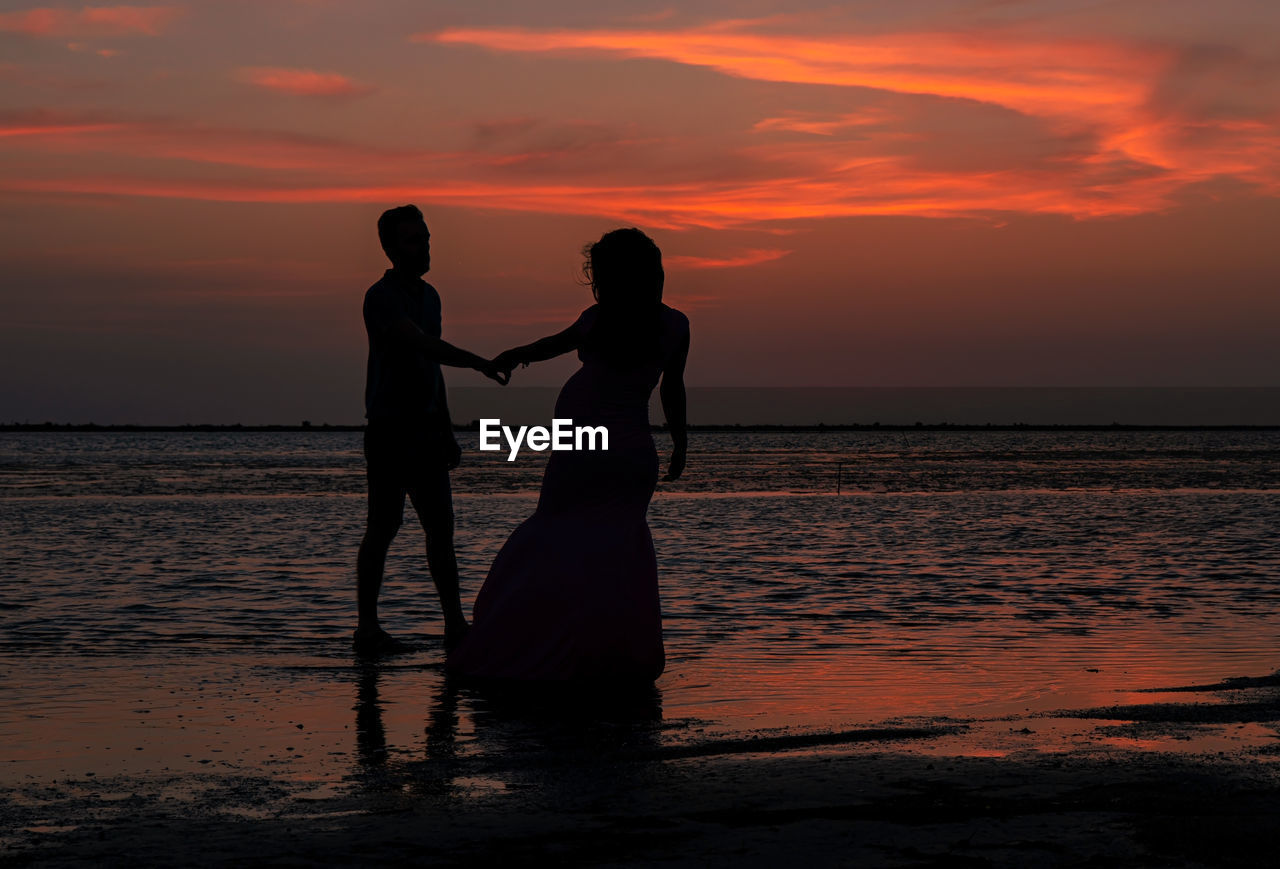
[[624, 269]]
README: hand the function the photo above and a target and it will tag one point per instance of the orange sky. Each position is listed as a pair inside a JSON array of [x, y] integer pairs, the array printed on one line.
[[927, 193]]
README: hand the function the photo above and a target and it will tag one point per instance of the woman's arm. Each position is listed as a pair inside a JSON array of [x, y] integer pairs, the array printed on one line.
[[540, 350], [674, 407]]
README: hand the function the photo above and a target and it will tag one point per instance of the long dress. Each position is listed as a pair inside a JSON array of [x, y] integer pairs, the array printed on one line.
[[573, 594]]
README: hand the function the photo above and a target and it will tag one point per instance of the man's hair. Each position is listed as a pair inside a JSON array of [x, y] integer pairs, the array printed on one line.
[[389, 224]]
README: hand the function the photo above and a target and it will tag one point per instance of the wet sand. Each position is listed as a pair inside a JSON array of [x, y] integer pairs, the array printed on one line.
[[1187, 783], [178, 686]]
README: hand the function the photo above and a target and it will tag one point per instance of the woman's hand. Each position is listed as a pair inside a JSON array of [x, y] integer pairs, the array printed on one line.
[[676, 468], [509, 359], [495, 372]]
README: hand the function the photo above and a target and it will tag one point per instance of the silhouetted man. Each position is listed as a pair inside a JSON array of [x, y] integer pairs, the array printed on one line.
[[408, 443]]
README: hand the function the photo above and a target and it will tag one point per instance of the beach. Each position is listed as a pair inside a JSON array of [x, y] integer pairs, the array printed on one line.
[[956, 543], [1010, 792], [899, 648]]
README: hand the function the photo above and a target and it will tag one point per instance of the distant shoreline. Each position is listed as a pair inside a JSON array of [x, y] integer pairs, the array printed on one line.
[[474, 426], [772, 408]]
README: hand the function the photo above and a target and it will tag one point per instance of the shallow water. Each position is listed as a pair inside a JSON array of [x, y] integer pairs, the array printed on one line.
[[183, 602]]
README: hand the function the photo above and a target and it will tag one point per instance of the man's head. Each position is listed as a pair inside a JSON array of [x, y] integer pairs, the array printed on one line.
[[405, 239]]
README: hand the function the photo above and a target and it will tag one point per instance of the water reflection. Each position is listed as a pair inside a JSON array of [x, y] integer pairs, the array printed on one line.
[[388, 767], [485, 739], [371, 735], [178, 631]]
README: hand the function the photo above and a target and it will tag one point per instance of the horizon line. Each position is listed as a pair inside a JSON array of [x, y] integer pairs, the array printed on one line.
[[474, 426]]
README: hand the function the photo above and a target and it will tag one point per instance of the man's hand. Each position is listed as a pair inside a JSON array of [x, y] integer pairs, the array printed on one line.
[[508, 360], [495, 372], [453, 454]]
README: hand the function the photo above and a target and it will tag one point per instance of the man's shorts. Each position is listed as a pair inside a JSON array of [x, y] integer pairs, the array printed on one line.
[[408, 458]]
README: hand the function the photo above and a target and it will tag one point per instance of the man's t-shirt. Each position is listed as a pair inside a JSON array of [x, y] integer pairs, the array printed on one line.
[[401, 384]]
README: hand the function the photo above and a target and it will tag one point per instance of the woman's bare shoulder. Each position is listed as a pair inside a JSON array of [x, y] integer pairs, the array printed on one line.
[[674, 318], [587, 318]]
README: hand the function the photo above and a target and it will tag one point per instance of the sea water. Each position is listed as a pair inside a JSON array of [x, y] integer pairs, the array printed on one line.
[[178, 603]]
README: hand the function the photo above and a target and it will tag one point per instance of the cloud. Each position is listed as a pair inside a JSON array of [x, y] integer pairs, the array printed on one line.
[[823, 125], [511, 148], [882, 152], [1040, 76], [159, 139], [665, 206], [90, 21], [747, 258], [738, 188], [982, 121], [39, 124], [302, 82], [101, 52]]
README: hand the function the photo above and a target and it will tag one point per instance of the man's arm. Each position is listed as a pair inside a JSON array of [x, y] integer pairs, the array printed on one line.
[[385, 317], [406, 333]]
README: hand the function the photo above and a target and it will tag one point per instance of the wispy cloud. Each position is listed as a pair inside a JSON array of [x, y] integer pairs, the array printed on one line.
[[521, 152], [160, 140], [747, 258], [90, 21], [1040, 76], [657, 206], [1103, 136], [1092, 130], [822, 125], [38, 124], [101, 52], [302, 82]]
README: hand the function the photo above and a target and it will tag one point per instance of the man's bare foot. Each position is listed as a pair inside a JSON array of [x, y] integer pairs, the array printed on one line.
[[377, 643]]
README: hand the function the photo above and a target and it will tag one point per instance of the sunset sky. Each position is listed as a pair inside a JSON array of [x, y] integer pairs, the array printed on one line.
[[930, 193]]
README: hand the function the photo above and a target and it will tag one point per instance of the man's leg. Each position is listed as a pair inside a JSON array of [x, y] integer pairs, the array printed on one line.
[[370, 563], [386, 510], [433, 502]]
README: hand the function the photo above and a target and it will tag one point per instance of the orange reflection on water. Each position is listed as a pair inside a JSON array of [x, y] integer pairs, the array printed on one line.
[[955, 674]]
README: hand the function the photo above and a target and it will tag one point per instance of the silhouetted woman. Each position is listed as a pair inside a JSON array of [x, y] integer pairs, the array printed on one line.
[[573, 594]]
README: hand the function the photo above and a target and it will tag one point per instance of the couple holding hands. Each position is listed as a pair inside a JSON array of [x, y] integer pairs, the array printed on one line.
[[573, 593]]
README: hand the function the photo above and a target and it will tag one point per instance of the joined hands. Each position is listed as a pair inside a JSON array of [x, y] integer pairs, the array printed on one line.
[[509, 359], [500, 367], [495, 372]]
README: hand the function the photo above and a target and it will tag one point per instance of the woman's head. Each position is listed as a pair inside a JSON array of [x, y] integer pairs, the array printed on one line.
[[624, 269]]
